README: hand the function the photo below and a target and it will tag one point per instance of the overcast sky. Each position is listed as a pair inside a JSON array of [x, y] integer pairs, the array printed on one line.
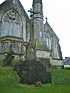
[[58, 14]]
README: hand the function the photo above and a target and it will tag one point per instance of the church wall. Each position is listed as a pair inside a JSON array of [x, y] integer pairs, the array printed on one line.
[[18, 8], [17, 57], [7, 45], [55, 52], [56, 62], [50, 34]]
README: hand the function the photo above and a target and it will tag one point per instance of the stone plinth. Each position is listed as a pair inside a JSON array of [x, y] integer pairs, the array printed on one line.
[[33, 71]]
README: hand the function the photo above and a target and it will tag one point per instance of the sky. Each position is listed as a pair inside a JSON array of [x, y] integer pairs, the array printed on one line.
[[58, 14]]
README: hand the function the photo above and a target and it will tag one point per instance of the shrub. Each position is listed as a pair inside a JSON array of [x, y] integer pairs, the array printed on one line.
[[8, 59]]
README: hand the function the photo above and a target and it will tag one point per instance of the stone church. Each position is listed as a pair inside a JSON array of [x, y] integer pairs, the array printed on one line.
[[28, 37]]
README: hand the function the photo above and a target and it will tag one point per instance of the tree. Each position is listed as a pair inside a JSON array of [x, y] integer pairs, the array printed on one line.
[[8, 59]]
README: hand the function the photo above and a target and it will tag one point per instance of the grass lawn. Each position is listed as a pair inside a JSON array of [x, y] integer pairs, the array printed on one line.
[[9, 82], [33, 89]]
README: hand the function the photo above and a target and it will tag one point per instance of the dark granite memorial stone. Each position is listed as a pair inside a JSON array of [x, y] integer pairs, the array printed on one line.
[[33, 71]]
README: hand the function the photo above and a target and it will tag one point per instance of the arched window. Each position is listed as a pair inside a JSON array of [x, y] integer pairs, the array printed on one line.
[[48, 42], [14, 47], [2, 47], [11, 24]]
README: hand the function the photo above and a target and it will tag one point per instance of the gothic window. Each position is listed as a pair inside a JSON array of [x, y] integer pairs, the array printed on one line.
[[11, 24], [6, 46], [1, 47], [48, 42], [14, 47]]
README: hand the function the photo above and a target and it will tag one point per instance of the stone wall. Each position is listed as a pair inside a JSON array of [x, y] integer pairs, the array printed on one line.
[[56, 62]]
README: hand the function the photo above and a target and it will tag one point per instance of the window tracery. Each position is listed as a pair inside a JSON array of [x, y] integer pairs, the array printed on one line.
[[11, 24]]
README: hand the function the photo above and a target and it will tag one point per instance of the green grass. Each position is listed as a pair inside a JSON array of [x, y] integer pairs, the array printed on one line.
[[9, 82], [60, 76], [33, 89], [8, 76]]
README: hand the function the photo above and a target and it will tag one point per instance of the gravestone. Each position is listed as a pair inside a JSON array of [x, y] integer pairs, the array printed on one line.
[[33, 71]]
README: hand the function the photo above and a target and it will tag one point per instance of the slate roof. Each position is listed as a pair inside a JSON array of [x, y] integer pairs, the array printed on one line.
[[67, 61]]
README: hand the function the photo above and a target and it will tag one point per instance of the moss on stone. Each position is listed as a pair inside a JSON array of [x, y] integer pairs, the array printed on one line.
[[40, 46], [44, 60]]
